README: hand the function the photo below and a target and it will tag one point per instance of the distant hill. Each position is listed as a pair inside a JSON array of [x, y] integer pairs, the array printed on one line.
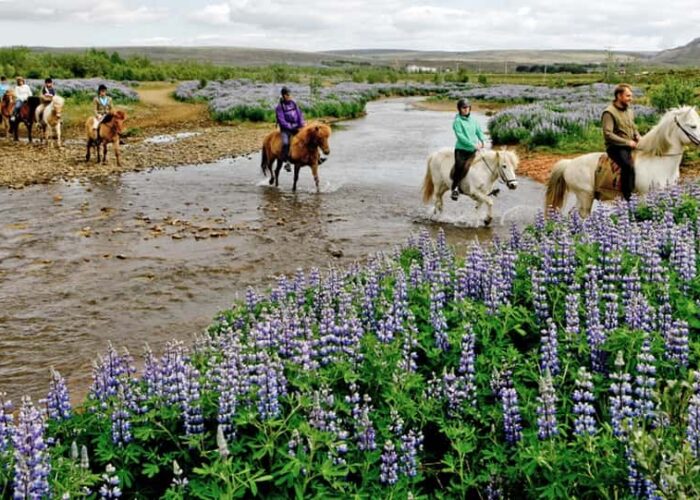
[[223, 56], [686, 55]]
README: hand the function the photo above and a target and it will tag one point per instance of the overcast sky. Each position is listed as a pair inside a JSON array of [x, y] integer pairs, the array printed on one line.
[[452, 25]]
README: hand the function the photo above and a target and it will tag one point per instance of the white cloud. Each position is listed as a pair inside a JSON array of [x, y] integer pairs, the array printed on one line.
[[86, 11]]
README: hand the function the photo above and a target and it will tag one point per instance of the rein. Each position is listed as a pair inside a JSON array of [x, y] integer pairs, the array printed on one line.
[[687, 133], [498, 174]]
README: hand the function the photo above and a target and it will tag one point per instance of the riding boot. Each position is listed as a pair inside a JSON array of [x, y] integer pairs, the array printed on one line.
[[457, 177]]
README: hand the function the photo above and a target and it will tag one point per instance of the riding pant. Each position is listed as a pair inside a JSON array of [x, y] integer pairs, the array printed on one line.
[[286, 140], [18, 104], [463, 160], [622, 155]]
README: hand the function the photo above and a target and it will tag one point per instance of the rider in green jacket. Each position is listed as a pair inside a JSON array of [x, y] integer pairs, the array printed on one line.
[[469, 139]]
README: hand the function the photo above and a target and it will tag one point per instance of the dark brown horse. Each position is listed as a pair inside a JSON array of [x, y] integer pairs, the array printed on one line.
[[7, 104], [109, 130], [303, 150], [26, 116]]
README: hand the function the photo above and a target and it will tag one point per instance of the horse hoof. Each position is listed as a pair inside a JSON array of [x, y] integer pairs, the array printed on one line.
[[487, 221]]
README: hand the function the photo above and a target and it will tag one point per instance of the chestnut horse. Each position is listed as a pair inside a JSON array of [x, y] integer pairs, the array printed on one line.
[[303, 150], [108, 132], [26, 116], [7, 104]]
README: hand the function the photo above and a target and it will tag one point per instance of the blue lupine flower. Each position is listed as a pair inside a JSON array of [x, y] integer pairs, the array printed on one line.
[[549, 348], [585, 422], [32, 463], [411, 445], [110, 486], [621, 403], [546, 408], [645, 382], [58, 401], [6, 422], [389, 467], [693, 427]]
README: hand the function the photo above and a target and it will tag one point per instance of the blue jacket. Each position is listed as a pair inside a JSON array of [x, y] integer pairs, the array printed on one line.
[[289, 116]]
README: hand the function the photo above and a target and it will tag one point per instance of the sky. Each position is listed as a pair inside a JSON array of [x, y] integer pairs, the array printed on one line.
[[449, 25]]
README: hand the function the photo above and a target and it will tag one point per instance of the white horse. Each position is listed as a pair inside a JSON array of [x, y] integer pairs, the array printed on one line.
[[656, 162], [488, 167], [49, 119]]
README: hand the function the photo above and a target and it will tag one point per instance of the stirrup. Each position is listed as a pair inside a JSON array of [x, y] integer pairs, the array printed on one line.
[[454, 195], [287, 166], [321, 160]]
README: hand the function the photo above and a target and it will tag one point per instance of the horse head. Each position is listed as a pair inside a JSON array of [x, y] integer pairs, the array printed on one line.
[[322, 132], [688, 122], [507, 163], [118, 120], [57, 106]]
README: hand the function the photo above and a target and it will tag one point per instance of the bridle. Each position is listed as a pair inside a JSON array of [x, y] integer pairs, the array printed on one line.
[[692, 137], [500, 172]]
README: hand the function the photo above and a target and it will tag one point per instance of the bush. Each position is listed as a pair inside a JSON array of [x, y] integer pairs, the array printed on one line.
[[673, 92]]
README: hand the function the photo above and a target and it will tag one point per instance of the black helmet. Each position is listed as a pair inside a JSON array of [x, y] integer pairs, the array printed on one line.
[[284, 91], [463, 103], [102, 87]]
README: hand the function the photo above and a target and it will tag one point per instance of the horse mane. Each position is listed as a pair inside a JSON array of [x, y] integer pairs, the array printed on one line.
[[317, 129], [658, 140], [120, 115], [57, 101], [509, 153]]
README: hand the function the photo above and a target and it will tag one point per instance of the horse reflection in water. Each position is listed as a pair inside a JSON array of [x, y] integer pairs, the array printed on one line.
[[303, 151], [487, 168]]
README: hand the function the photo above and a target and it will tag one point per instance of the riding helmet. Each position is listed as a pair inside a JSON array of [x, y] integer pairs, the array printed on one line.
[[284, 91], [463, 103], [102, 87]]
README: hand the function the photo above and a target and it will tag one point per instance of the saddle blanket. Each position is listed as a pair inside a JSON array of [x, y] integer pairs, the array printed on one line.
[[608, 179]]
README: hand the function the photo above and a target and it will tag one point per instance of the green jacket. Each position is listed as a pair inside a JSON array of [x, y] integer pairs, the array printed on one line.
[[468, 132], [618, 126]]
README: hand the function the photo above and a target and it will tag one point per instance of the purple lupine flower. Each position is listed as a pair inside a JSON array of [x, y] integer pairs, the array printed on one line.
[[323, 417], [677, 339], [296, 444], [437, 318], [151, 374], [639, 314], [32, 463], [364, 428], [467, 362], [58, 401], [595, 334], [494, 490], [229, 388], [645, 382], [221, 443], [611, 311], [502, 384], [6, 422], [110, 485], [572, 321], [539, 294], [110, 373], [549, 348], [191, 404], [411, 445], [692, 432], [585, 422], [454, 393], [121, 423], [178, 481], [390, 464], [621, 404], [172, 374], [409, 355], [476, 268], [547, 409], [271, 386], [415, 274], [640, 486], [683, 255]]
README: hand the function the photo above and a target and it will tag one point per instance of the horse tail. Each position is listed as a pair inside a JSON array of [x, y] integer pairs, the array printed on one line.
[[263, 160], [428, 186], [556, 186]]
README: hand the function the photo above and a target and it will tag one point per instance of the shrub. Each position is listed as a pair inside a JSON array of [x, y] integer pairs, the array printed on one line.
[[673, 92]]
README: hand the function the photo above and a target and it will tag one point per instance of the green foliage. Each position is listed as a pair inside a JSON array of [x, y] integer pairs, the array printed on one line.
[[483, 80], [673, 92]]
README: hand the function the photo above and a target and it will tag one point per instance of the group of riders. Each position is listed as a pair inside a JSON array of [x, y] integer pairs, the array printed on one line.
[[21, 92]]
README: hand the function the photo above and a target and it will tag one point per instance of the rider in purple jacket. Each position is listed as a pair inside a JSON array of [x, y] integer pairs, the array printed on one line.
[[290, 119]]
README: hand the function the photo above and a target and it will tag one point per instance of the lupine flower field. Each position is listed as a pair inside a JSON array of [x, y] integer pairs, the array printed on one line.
[[559, 362], [70, 87]]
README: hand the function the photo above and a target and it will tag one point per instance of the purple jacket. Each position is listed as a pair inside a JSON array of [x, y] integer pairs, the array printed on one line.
[[289, 116]]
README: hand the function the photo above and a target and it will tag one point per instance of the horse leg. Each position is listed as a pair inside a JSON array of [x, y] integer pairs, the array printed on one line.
[[439, 192], [296, 177], [481, 198], [276, 175], [87, 152], [584, 202], [117, 153], [314, 171], [29, 132]]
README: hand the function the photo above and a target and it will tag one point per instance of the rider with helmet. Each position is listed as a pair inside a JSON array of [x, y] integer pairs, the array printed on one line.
[[290, 119], [469, 139], [103, 105], [48, 91]]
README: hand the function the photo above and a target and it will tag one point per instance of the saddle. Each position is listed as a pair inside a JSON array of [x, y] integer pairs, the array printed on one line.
[[607, 183]]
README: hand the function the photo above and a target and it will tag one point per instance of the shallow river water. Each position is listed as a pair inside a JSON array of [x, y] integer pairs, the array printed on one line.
[[150, 256]]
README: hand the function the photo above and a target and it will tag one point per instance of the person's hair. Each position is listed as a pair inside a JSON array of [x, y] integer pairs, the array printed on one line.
[[48, 80], [102, 87], [621, 87], [284, 91], [3, 78], [462, 103]]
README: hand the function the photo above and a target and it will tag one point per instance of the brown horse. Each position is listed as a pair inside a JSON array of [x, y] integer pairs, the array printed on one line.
[[7, 104], [303, 150], [26, 116], [109, 131]]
